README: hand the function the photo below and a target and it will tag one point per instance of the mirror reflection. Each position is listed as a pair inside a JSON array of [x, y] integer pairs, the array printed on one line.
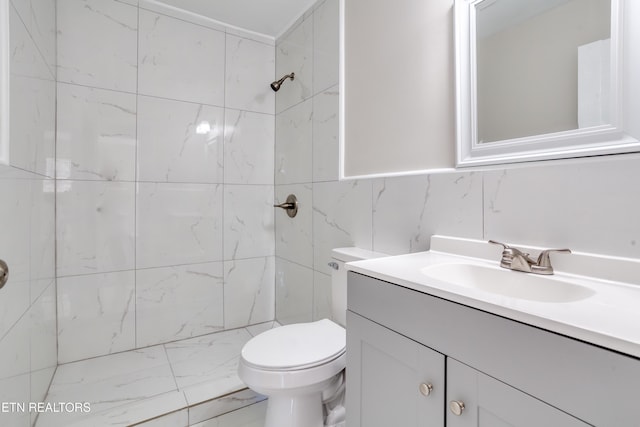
[[542, 66]]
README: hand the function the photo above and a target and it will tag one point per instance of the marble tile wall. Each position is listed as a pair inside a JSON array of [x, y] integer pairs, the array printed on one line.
[[589, 205], [165, 183], [27, 213]]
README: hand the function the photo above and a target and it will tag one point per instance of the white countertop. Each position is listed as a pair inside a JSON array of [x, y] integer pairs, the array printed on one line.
[[609, 318]]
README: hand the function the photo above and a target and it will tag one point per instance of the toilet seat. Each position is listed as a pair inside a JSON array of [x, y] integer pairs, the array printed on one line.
[[295, 347]]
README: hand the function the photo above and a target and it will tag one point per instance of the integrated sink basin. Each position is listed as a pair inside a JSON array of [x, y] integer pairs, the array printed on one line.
[[513, 284]]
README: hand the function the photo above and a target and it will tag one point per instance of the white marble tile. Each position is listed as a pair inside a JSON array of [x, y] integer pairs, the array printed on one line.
[[43, 334], [179, 141], [14, 349], [15, 250], [341, 217], [40, 381], [212, 358], [180, 60], [96, 134], [248, 221], [250, 68], [32, 124], [96, 315], [97, 43], [15, 389], [326, 45], [214, 408], [26, 59], [294, 292], [178, 224], [321, 296], [294, 236], [587, 206], [178, 302], [326, 149], [250, 416], [108, 382], [449, 204], [39, 16], [294, 150], [249, 143], [43, 234], [294, 54], [249, 291], [95, 227]]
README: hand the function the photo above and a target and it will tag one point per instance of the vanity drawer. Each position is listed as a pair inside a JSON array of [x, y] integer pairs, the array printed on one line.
[[596, 385]]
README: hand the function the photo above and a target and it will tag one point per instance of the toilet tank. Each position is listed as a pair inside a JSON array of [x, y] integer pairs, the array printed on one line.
[[339, 278]]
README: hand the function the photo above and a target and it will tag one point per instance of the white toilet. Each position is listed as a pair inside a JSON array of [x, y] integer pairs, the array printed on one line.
[[299, 367]]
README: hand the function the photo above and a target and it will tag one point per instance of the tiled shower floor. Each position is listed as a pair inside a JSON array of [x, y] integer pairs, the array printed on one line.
[[176, 384]]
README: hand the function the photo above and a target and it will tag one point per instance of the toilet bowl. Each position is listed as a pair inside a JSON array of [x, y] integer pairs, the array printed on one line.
[[300, 367]]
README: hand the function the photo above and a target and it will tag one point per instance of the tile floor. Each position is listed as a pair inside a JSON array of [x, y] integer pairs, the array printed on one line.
[[184, 383]]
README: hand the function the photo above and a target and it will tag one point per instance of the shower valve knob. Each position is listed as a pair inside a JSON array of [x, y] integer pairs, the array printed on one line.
[[290, 205], [4, 273]]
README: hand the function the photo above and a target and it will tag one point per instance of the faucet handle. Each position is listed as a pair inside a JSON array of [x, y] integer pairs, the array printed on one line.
[[543, 259], [507, 250], [509, 253], [543, 266]]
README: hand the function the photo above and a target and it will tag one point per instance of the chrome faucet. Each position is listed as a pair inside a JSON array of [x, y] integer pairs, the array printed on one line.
[[515, 259]]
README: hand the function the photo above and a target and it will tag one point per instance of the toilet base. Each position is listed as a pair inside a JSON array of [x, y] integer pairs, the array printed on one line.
[[298, 411]]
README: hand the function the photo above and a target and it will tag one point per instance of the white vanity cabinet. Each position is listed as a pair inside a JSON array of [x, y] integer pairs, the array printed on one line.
[[491, 403], [396, 382], [505, 373]]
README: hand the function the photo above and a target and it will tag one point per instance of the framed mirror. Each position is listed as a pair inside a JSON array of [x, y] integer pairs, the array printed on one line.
[[542, 80], [4, 82]]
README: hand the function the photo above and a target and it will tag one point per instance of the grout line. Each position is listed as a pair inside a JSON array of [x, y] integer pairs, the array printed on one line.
[[135, 192], [166, 353]]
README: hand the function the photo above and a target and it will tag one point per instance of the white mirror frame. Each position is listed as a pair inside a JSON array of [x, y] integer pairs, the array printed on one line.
[[4, 82], [613, 138]]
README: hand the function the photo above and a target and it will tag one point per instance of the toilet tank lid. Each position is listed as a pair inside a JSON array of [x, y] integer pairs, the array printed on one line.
[[354, 254]]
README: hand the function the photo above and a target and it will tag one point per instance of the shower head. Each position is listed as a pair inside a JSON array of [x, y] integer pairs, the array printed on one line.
[[276, 85]]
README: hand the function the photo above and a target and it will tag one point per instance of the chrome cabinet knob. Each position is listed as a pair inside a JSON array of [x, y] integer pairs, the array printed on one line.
[[456, 407], [426, 389]]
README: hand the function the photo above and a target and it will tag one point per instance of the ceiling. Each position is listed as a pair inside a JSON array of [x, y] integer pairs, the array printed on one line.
[[268, 17]]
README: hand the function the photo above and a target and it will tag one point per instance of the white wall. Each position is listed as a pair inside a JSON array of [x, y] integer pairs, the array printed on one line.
[[589, 205], [163, 233], [27, 302], [399, 109]]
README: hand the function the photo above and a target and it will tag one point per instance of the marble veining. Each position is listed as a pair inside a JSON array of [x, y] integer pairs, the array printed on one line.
[[250, 65], [179, 141], [248, 221], [294, 53], [293, 144], [96, 134], [179, 60], [249, 140], [178, 302], [97, 44], [249, 294], [95, 315]]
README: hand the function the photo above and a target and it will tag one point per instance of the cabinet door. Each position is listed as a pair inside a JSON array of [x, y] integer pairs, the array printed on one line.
[[391, 380], [491, 403]]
